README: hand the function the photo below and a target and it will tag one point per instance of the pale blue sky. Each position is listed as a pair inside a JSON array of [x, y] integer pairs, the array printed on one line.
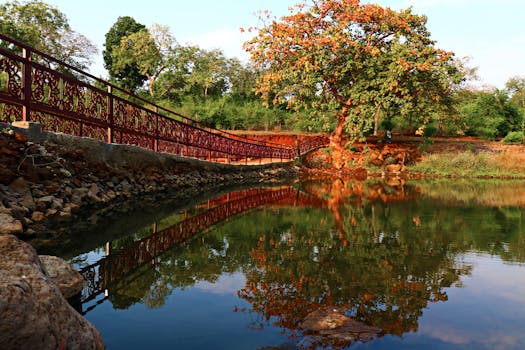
[[491, 32]]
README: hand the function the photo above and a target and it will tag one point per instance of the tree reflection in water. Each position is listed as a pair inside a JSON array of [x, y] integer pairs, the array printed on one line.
[[379, 278]]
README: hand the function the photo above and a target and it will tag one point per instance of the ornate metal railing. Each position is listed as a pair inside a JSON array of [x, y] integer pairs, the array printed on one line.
[[39, 88], [106, 272]]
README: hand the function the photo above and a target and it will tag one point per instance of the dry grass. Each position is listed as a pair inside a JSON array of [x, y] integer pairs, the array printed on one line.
[[469, 157]]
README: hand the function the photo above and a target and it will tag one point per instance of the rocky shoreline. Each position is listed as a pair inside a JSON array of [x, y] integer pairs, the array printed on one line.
[[35, 312], [48, 182]]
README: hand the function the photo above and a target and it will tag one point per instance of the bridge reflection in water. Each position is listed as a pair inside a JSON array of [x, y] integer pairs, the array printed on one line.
[[115, 266]]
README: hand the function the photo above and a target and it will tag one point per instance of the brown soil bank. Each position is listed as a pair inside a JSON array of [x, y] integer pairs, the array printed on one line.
[[416, 157], [283, 138]]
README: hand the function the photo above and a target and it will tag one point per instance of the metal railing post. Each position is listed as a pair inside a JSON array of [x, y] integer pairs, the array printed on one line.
[[26, 84], [229, 150], [111, 120], [186, 138], [156, 140]]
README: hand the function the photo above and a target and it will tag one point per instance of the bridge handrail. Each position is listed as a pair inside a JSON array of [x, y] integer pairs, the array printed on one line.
[[124, 91], [34, 92]]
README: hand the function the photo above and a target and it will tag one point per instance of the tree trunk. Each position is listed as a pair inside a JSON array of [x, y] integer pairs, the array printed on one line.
[[151, 81], [336, 138], [377, 117]]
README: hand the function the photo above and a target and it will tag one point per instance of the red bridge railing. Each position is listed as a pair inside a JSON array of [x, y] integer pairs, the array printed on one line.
[[39, 88], [106, 272]]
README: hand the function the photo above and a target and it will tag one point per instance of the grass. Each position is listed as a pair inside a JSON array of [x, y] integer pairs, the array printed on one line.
[[473, 164]]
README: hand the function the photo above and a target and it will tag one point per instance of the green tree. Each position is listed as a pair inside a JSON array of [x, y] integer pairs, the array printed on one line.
[[354, 59], [489, 114], [150, 51], [207, 71], [242, 78], [128, 76], [195, 72], [45, 28]]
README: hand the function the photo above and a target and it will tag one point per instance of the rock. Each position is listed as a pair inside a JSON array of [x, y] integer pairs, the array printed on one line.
[[324, 319], [93, 190], [37, 192], [71, 208], [51, 212], [57, 204], [37, 216], [3, 209], [53, 187], [9, 225], [20, 185], [76, 182], [27, 221], [64, 215], [35, 315], [333, 325], [46, 200], [20, 137], [93, 193], [6, 175], [67, 279], [64, 172], [17, 211], [28, 201], [78, 195]]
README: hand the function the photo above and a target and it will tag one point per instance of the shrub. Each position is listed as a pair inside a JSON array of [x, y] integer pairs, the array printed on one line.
[[513, 137]]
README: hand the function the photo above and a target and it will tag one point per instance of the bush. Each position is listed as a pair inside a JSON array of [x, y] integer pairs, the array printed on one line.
[[430, 130], [513, 137]]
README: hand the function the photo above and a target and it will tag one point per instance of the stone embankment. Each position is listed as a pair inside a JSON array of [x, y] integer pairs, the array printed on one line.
[[49, 181]]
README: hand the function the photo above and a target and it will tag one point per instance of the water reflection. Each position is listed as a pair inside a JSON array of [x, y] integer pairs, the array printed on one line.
[[330, 263], [115, 266]]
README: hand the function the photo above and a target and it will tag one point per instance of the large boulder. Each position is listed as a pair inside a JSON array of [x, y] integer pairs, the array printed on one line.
[[34, 314], [67, 279]]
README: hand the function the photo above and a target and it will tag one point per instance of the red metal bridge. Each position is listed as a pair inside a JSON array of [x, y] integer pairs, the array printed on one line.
[[35, 87]]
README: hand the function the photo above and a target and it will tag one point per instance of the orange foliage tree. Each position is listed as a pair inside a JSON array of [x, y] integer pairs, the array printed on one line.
[[359, 61]]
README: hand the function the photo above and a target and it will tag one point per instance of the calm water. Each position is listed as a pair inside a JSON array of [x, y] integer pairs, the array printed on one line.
[[406, 266]]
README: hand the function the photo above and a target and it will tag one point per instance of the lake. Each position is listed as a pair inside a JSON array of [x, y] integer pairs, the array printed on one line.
[[321, 264]]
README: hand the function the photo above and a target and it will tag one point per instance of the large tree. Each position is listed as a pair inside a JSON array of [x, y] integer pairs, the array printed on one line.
[[45, 28], [197, 72], [208, 71], [357, 60], [150, 51], [128, 76]]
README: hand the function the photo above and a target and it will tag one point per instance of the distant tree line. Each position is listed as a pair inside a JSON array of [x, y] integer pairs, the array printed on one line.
[[363, 70]]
